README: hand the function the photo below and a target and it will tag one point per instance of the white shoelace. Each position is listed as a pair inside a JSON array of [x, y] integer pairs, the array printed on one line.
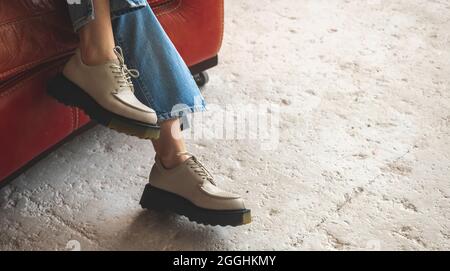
[[122, 73], [198, 167]]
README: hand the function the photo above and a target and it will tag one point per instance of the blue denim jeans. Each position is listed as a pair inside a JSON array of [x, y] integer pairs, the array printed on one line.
[[165, 82], [82, 11]]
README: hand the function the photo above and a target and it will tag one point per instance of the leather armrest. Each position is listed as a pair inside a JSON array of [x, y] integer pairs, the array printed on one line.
[[201, 23]]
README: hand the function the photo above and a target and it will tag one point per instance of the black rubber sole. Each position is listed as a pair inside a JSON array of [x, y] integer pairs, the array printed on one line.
[[159, 200], [66, 92]]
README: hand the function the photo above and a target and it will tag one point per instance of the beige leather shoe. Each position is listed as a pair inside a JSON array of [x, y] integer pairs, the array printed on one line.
[[106, 93], [190, 190]]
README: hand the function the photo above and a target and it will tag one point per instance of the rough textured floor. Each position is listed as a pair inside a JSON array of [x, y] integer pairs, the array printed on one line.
[[363, 155]]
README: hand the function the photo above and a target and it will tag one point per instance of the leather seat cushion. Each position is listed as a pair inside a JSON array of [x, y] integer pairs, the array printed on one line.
[[33, 32]]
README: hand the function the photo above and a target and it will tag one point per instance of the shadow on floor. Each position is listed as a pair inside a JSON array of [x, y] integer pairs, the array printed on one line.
[[164, 231]]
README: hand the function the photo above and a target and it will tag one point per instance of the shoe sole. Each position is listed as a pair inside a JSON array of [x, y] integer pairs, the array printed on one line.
[[159, 200], [66, 92]]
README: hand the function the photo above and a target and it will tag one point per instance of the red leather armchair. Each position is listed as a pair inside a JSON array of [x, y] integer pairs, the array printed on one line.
[[36, 39]]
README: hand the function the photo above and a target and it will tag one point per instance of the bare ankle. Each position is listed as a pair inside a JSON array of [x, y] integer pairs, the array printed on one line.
[[172, 161], [96, 56]]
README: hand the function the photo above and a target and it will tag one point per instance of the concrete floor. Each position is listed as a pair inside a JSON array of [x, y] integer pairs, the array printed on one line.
[[362, 160]]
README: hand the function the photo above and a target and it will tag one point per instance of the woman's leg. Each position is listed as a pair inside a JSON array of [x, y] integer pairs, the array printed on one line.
[[170, 144], [178, 182], [96, 78], [165, 84], [96, 38], [96, 46]]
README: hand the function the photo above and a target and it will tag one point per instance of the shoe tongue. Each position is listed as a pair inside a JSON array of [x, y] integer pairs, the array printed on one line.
[[115, 61], [191, 159], [208, 179]]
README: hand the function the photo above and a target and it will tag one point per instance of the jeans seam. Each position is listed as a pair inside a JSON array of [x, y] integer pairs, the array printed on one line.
[[171, 114], [84, 19], [119, 13]]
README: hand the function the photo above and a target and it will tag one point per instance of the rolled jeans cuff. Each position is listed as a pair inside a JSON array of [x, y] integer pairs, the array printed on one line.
[[82, 11]]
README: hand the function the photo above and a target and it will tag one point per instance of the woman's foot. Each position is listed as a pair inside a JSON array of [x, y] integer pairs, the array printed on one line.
[[189, 189], [105, 93]]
